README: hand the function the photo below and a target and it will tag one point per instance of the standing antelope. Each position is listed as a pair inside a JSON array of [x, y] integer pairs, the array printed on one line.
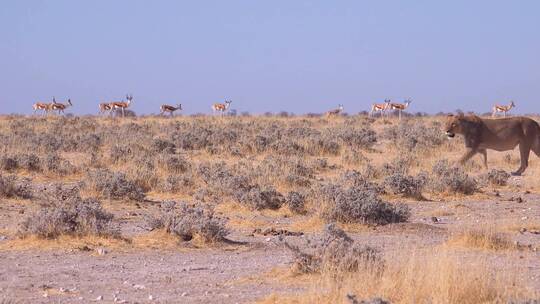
[[335, 112], [504, 109], [400, 106], [220, 107], [380, 107], [105, 107], [42, 106], [167, 108], [123, 105], [60, 107]]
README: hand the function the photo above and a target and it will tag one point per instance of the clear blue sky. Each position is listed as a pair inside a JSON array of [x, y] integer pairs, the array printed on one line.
[[298, 56]]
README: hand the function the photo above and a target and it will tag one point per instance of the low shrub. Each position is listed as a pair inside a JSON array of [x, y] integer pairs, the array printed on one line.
[[496, 177], [258, 199], [357, 205], [11, 186], [188, 222], [296, 202], [30, 162], [114, 185], [452, 179], [335, 253], [406, 185], [80, 218]]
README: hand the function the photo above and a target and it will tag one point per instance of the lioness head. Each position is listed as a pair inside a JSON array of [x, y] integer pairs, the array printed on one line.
[[454, 125]]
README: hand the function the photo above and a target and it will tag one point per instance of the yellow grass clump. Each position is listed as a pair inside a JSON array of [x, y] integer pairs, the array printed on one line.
[[422, 277], [482, 239]]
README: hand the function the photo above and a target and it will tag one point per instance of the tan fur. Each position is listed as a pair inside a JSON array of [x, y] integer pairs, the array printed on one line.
[[335, 112], [221, 107], [382, 107], [496, 134], [503, 109], [168, 108]]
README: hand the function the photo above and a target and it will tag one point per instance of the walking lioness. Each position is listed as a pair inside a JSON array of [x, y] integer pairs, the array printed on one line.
[[496, 134]]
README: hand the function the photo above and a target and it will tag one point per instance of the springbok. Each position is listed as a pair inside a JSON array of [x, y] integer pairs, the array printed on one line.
[[335, 112], [42, 106], [60, 107], [400, 107], [167, 108], [221, 107], [105, 107], [504, 109], [380, 107], [123, 105]]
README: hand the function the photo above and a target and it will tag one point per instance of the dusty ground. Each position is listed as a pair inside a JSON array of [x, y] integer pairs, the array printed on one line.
[[239, 272]]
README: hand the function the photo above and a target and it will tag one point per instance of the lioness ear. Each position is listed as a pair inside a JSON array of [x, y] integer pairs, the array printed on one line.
[[461, 115]]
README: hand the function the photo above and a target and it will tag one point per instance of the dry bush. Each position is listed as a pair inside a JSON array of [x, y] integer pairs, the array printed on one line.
[[12, 186], [452, 179], [74, 218], [336, 253], [188, 222], [496, 177], [359, 205], [413, 135], [406, 185], [296, 202], [55, 164], [113, 185], [258, 199], [175, 164]]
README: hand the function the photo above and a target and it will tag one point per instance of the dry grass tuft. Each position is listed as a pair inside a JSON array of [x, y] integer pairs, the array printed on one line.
[[482, 239], [421, 277]]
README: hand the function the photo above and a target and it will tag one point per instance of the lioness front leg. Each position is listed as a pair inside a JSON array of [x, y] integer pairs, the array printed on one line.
[[524, 150], [470, 153], [484, 157]]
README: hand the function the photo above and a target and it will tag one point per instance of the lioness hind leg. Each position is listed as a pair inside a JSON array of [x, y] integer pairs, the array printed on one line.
[[524, 150], [536, 146]]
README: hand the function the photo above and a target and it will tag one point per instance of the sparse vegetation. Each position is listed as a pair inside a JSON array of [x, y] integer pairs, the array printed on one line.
[[284, 176], [336, 253], [74, 218], [188, 222], [452, 179]]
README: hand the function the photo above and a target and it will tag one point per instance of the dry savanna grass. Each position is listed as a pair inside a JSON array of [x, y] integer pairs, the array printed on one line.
[[430, 276], [199, 182], [482, 239]]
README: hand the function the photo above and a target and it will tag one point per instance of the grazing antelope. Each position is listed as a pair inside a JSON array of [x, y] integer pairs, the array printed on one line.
[[45, 107], [400, 106], [504, 109], [123, 105], [220, 107], [380, 107], [335, 112], [167, 108], [104, 108], [60, 107]]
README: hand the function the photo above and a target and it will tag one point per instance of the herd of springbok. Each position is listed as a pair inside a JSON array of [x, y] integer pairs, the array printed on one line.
[[222, 108]]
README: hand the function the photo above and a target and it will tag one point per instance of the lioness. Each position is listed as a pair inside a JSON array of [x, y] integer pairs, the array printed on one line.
[[497, 134]]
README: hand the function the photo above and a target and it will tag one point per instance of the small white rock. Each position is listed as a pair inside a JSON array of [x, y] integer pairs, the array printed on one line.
[[183, 294], [99, 298], [150, 297]]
